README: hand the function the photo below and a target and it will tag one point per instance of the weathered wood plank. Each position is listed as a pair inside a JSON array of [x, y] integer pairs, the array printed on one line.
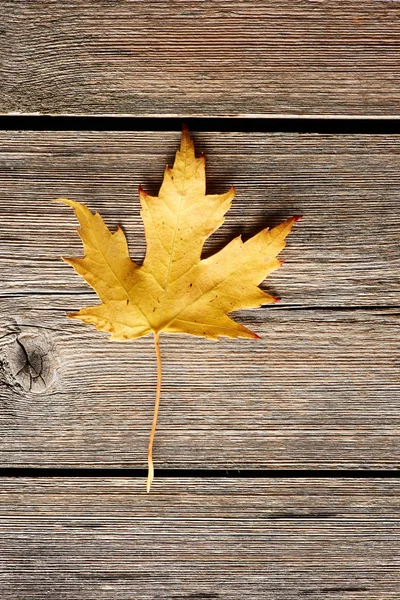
[[199, 539], [231, 58], [346, 251], [320, 390]]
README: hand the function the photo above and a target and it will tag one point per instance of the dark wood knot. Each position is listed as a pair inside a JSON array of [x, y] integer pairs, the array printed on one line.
[[27, 359]]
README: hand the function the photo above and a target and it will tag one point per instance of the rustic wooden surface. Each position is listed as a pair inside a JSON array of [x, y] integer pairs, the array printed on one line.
[[201, 539], [231, 58], [319, 390]]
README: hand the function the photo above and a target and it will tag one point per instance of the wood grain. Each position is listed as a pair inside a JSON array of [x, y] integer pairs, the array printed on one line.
[[199, 539], [345, 252], [319, 390], [231, 58]]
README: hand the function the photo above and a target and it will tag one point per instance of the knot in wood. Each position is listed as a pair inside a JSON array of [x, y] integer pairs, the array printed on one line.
[[27, 361]]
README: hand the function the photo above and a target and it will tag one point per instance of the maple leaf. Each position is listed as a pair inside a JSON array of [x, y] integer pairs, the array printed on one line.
[[174, 290]]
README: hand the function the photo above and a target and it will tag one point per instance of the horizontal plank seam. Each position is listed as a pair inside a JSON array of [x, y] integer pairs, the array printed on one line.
[[321, 124], [280, 307], [202, 473]]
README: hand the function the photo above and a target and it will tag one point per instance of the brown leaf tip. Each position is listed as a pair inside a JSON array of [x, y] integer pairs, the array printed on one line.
[[256, 337], [141, 191], [297, 218], [275, 300]]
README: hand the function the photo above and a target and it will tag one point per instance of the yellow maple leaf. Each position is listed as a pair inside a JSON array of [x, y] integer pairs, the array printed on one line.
[[174, 290]]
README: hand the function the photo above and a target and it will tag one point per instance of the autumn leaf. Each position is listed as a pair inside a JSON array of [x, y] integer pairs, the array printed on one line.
[[174, 290]]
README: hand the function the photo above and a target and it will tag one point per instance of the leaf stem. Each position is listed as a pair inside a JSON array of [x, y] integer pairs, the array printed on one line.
[[150, 475]]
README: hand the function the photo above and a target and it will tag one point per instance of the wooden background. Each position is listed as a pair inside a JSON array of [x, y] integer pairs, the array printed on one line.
[[319, 391], [224, 58]]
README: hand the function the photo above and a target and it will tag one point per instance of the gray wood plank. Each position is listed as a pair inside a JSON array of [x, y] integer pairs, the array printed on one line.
[[319, 390], [231, 58], [199, 539], [345, 252]]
